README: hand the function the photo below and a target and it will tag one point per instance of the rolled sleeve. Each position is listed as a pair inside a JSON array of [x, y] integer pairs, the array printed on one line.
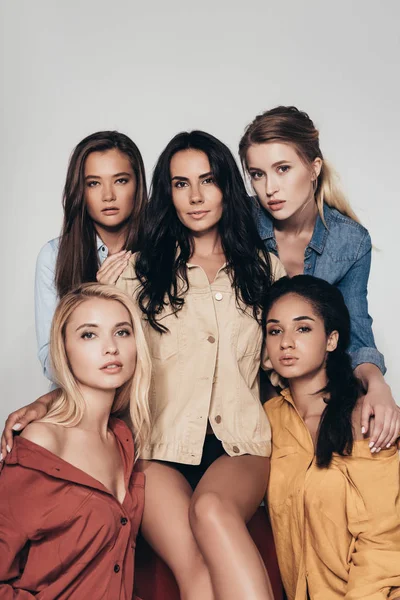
[[354, 287]]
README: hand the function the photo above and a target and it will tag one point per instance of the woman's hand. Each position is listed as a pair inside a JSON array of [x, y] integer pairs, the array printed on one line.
[[113, 267], [379, 403], [20, 418]]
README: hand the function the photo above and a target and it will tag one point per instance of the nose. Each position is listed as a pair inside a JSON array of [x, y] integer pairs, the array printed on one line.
[[108, 193], [110, 347], [195, 195], [271, 186], [287, 340]]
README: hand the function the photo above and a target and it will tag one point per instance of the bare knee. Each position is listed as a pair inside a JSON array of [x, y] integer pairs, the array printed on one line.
[[207, 511]]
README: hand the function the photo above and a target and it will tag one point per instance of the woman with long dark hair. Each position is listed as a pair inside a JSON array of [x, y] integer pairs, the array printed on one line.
[[200, 280], [305, 220], [334, 506], [103, 201]]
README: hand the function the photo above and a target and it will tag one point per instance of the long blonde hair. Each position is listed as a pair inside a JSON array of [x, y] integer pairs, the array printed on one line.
[[289, 125], [69, 407]]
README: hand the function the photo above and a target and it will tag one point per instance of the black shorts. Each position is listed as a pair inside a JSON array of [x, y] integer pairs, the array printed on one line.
[[212, 450]]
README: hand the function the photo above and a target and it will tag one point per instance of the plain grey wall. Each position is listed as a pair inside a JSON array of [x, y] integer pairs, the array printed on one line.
[[151, 69]]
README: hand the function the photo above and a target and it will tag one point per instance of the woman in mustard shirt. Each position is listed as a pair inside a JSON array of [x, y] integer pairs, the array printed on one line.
[[334, 505]]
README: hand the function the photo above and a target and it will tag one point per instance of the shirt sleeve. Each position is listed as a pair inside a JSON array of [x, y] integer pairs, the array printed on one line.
[[354, 287], [45, 303], [127, 281], [12, 542], [373, 509]]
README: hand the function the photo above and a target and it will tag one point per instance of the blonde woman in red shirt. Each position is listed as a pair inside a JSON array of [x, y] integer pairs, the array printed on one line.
[[70, 501]]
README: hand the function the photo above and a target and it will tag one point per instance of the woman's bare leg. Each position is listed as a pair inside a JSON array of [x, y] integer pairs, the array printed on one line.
[[226, 498], [166, 528]]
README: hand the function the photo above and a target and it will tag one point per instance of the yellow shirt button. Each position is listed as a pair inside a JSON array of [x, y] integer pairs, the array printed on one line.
[[211, 339], [218, 296]]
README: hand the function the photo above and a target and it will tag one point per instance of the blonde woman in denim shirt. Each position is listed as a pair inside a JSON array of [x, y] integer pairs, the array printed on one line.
[[305, 220]]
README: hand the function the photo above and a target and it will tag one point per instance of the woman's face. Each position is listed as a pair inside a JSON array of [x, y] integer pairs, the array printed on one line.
[[110, 187], [100, 344], [281, 180], [296, 340], [197, 198]]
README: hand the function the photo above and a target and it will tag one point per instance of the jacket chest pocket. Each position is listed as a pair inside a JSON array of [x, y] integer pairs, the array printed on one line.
[[249, 334], [163, 346]]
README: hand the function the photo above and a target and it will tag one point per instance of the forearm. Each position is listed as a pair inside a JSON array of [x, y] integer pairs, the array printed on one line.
[[370, 376], [48, 398]]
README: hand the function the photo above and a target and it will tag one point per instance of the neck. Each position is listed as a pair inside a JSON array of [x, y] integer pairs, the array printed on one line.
[[207, 243], [301, 222], [98, 404], [303, 391], [113, 238]]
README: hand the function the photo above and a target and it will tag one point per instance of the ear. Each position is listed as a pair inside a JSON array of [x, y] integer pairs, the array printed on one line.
[[316, 167], [332, 342]]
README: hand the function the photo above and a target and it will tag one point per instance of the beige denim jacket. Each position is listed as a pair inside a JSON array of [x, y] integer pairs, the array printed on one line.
[[205, 368]]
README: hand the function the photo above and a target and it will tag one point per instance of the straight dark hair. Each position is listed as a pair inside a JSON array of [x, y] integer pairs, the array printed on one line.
[[161, 262], [335, 433], [77, 260]]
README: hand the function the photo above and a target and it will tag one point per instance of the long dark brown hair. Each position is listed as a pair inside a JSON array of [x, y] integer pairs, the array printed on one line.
[[77, 260]]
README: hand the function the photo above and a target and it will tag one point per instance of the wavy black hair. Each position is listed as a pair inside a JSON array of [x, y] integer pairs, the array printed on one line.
[[335, 433], [168, 244]]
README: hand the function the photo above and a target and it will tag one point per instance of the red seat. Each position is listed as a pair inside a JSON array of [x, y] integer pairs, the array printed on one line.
[[154, 580]]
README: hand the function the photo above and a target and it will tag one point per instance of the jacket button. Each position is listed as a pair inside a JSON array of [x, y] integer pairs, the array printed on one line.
[[124, 520], [218, 296], [218, 419], [236, 449], [117, 568], [211, 339]]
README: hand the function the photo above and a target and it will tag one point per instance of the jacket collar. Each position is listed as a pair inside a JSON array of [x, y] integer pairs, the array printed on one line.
[[265, 227]]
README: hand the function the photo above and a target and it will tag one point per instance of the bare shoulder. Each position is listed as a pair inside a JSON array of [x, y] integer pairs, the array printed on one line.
[[47, 435]]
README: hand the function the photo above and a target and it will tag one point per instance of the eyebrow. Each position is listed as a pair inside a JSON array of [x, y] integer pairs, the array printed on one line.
[[115, 175], [275, 164], [302, 318], [94, 325], [181, 178]]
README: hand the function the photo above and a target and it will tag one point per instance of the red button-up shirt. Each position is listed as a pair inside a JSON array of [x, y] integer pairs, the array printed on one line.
[[62, 533]]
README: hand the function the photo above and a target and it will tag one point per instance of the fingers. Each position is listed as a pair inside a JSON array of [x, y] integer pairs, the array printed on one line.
[[14, 421], [381, 433], [366, 414], [113, 267]]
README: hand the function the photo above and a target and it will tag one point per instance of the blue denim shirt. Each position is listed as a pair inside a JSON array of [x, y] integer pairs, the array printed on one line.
[[340, 253], [46, 297]]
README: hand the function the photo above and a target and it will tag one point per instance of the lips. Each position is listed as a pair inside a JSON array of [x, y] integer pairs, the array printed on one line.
[[287, 360], [112, 367], [276, 204], [110, 211], [198, 214]]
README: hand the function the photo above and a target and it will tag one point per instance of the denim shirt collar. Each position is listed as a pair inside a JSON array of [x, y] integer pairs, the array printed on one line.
[[265, 228]]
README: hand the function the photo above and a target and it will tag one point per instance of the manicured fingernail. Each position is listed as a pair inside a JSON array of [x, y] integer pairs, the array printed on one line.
[[16, 427], [362, 429], [371, 444], [1, 456], [388, 445], [8, 448], [378, 449]]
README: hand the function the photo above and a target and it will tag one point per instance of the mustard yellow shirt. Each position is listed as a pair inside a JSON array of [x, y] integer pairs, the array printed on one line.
[[205, 368], [336, 529]]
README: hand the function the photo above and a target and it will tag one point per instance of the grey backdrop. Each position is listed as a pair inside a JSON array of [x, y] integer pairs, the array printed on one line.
[[151, 69]]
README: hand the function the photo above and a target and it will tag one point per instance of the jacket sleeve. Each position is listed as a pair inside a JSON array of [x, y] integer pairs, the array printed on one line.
[[45, 303], [12, 543], [354, 287], [373, 511]]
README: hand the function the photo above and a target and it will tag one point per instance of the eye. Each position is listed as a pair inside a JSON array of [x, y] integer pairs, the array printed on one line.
[[91, 184], [122, 333], [273, 331], [304, 329], [122, 180], [209, 180], [256, 175], [88, 335], [180, 184], [283, 168]]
